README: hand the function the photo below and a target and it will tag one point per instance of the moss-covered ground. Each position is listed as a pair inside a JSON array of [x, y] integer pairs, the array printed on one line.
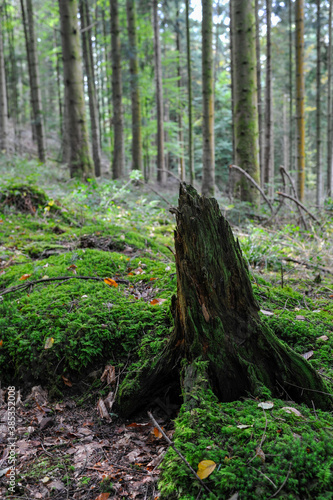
[[60, 320]]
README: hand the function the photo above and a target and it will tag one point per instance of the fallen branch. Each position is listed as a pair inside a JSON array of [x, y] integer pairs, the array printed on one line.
[[300, 205], [156, 192], [178, 452], [248, 176], [307, 264], [28, 284]]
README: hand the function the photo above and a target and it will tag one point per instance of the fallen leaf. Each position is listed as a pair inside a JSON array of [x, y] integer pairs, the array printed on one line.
[[24, 277], [307, 355], [290, 409], [156, 302], [266, 313], [300, 318], [103, 496], [242, 426], [1, 344], [205, 468], [66, 381], [323, 337], [109, 375], [102, 410], [157, 433], [49, 343], [110, 282], [267, 405], [261, 454]]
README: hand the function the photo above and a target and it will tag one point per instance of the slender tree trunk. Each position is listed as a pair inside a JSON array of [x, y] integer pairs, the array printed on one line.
[[118, 164], [3, 95], [285, 134], [208, 157], [161, 172], [189, 94], [318, 114], [88, 62], [181, 169], [245, 105], [290, 11], [28, 52], [80, 163], [259, 98], [300, 96], [268, 160], [329, 107], [232, 84], [60, 104], [135, 88], [12, 82], [35, 84], [108, 79]]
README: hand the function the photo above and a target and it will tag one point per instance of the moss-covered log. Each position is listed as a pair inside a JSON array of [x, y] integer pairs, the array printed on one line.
[[217, 320]]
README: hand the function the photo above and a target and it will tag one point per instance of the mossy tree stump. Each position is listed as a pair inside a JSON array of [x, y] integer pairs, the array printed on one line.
[[217, 320]]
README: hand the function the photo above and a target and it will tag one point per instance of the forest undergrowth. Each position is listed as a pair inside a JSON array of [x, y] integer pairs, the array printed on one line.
[[87, 274]]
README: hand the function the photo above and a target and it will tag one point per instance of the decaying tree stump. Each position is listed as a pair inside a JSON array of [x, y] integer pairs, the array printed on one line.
[[217, 320]]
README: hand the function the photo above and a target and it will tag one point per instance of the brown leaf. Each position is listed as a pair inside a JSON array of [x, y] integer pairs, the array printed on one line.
[[156, 302], [24, 277], [102, 410], [157, 433], [261, 454], [109, 375], [103, 496], [66, 381], [322, 337]]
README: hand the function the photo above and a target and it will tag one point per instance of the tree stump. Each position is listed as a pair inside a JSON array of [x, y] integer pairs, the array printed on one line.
[[217, 320]]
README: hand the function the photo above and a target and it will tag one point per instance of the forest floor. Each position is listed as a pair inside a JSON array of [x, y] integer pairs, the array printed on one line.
[[86, 279]]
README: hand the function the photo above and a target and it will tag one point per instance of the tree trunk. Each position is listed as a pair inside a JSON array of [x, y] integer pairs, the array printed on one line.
[[291, 95], [259, 98], [329, 189], [208, 153], [35, 84], [189, 94], [118, 164], [89, 67], [217, 320], [300, 97], [161, 171], [3, 95], [135, 89], [245, 96], [268, 160], [318, 114], [12, 82], [181, 168], [80, 163], [232, 84]]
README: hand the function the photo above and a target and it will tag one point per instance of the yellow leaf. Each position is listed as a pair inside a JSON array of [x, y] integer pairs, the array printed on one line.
[[49, 343], [24, 277], [205, 468], [51, 203], [110, 282]]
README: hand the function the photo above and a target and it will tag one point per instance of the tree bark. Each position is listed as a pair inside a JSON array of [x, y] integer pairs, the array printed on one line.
[[161, 171], [329, 188], [268, 163], [300, 97], [319, 194], [3, 95], [118, 164], [208, 152], [245, 96], [217, 321], [135, 89], [259, 98], [181, 164], [89, 67], [189, 94], [35, 84], [80, 163]]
